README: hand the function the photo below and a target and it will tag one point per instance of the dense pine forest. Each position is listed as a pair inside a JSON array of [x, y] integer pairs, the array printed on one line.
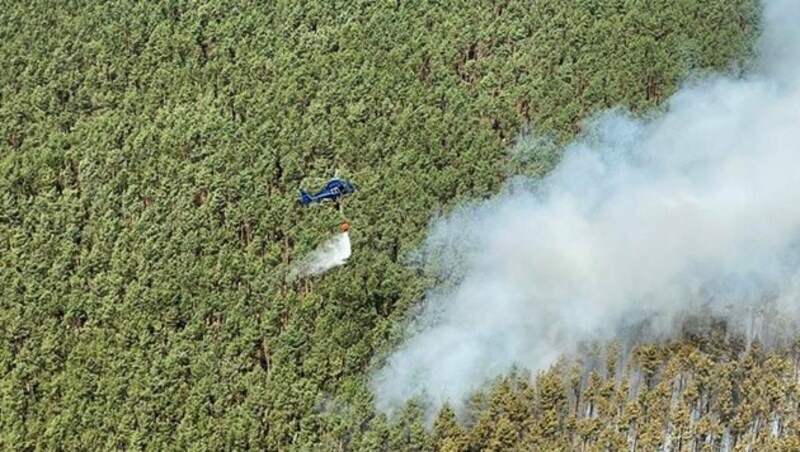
[[150, 159]]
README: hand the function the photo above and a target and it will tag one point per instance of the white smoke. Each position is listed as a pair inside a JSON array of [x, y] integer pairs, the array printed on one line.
[[695, 210], [332, 253]]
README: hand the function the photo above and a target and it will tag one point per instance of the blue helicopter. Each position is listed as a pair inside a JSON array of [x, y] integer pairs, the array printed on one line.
[[334, 190]]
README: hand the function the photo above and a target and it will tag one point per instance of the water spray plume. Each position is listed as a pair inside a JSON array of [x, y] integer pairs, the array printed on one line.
[[330, 254]]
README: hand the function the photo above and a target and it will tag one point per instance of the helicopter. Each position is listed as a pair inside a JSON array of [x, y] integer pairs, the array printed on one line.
[[334, 190]]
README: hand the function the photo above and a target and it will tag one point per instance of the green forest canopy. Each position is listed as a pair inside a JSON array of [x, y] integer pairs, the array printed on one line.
[[150, 156]]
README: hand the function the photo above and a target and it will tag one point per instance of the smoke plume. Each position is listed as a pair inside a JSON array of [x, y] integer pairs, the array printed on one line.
[[696, 210], [332, 253]]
